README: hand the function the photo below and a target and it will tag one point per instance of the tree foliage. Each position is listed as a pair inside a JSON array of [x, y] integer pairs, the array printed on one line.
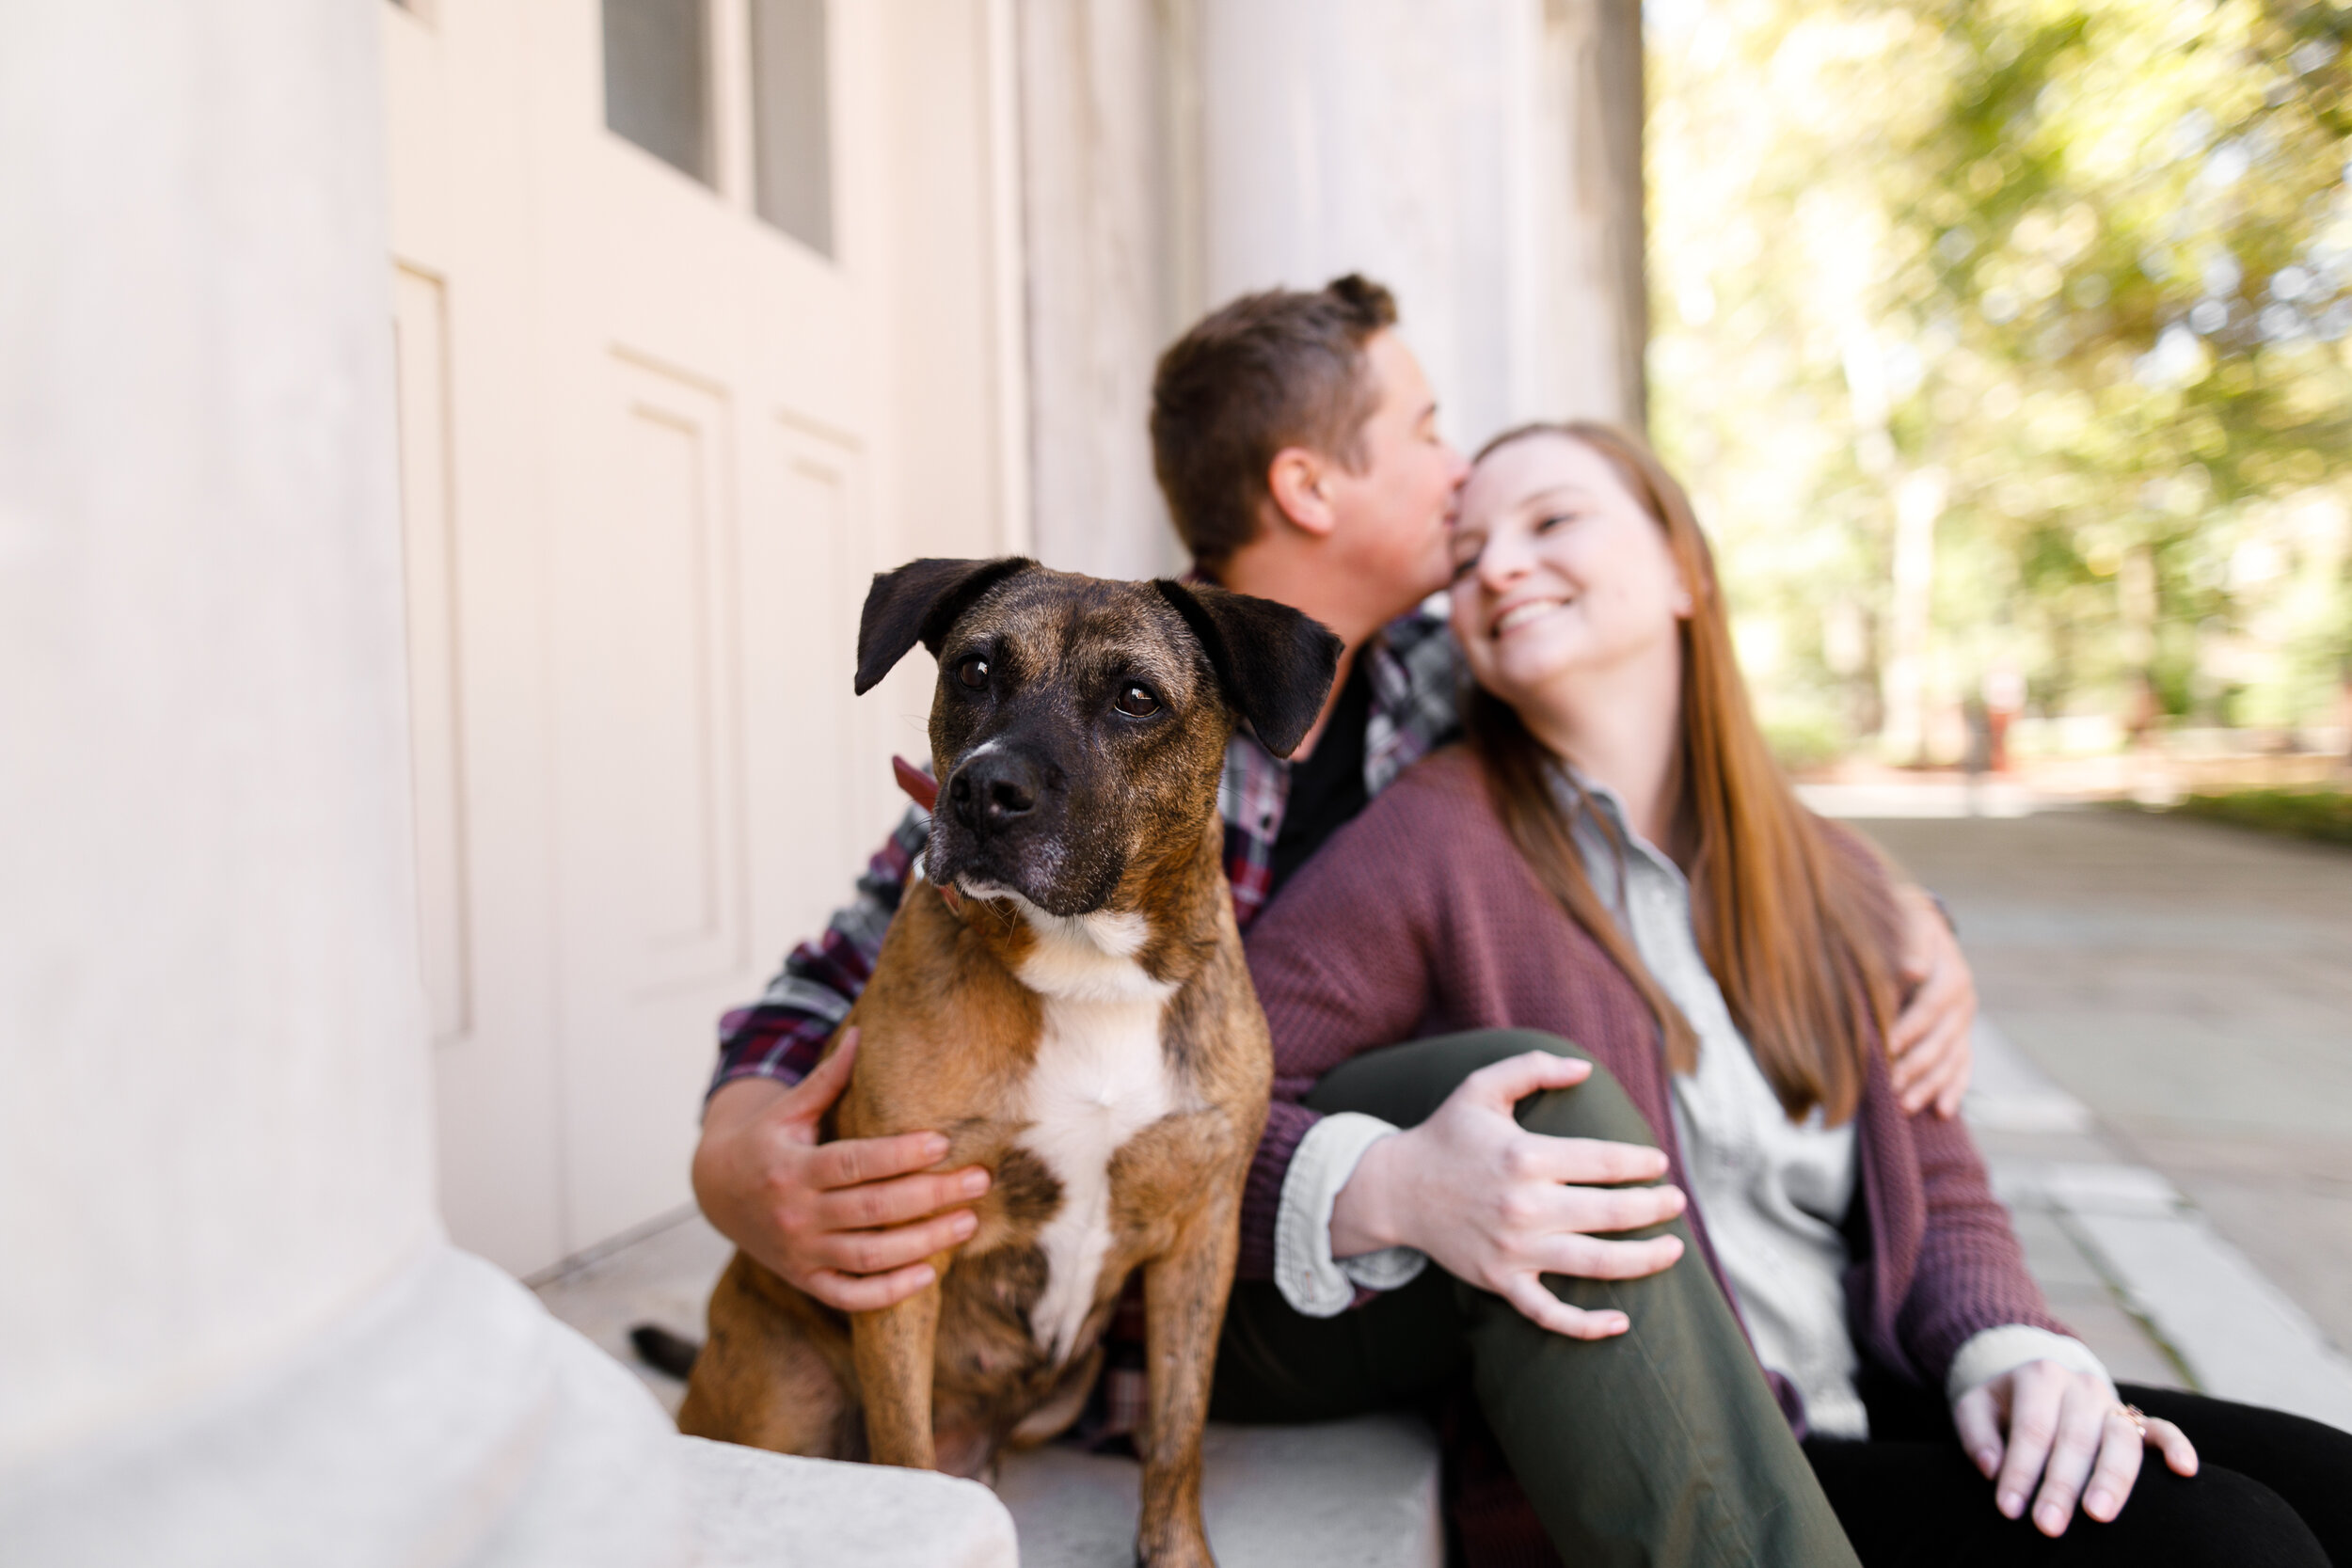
[[2086, 267]]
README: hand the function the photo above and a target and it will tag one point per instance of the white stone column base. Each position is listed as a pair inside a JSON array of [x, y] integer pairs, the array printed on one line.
[[450, 1421]]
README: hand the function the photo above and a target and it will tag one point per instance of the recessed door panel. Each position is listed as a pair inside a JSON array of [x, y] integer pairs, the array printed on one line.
[[677, 753], [803, 539]]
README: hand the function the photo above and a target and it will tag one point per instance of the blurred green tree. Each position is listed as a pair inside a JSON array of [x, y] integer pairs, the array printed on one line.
[[2012, 339]]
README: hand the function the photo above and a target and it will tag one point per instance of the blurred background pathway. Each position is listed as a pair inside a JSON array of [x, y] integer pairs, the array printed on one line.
[[2165, 1083]]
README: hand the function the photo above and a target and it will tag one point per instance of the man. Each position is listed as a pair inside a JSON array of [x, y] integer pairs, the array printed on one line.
[[1296, 442]]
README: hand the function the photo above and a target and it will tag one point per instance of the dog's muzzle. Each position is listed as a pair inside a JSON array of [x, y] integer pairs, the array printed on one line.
[[996, 792], [1005, 821]]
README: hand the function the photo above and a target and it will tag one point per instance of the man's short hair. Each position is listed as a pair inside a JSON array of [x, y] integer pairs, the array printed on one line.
[[1281, 369]]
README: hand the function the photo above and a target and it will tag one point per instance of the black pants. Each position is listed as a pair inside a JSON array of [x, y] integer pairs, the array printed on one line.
[[2271, 1489]]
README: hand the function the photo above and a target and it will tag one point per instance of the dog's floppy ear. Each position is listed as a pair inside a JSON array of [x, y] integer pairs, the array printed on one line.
[[1276, 663], [917, 603]]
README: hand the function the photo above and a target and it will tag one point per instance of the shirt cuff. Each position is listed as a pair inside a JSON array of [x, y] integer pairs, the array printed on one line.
[[1993, 1350], [1314, 1283]]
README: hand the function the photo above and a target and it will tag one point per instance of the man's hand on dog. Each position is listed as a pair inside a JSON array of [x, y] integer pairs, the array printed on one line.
[[1498, 1205], [1930, 1040], [852, 1223]]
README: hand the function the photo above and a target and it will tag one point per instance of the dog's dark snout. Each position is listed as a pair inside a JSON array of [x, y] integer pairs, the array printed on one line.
[[1006, 795], [996, 791]]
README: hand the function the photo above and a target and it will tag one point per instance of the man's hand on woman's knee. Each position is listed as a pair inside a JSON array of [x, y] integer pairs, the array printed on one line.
[[1500, 1207], [850, 1221]]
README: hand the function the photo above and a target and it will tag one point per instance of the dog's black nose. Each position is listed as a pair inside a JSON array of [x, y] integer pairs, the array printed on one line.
[[995, 789]]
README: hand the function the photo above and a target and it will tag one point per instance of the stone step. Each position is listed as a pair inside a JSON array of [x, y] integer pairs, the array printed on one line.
[[1357, 1492], [1362, 1492], [758, 1509]]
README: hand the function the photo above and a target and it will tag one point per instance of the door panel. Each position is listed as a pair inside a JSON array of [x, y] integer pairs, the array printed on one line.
[[649, 785], [798, 607], [673, 714]]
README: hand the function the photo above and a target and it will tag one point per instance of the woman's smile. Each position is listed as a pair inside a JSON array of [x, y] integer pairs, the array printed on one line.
[[1526, 611]]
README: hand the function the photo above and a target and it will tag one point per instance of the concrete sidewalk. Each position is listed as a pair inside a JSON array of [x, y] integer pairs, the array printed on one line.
[[2165, 1088]]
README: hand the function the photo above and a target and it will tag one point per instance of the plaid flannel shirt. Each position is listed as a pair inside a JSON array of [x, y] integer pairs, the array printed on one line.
[[1414, 672]]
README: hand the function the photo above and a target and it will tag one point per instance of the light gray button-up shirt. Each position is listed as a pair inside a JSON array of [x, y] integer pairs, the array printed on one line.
[[1774, 1192]]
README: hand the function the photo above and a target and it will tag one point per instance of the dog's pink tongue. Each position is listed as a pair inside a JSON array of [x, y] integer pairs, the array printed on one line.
[[920, 786]]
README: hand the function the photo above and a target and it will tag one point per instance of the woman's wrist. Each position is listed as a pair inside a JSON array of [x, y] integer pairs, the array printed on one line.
[[1363, 1215]]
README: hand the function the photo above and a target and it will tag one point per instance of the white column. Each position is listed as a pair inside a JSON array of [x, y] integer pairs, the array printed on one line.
[[1481, 157], [230, 1330], [1455, 151], [1101, 227]]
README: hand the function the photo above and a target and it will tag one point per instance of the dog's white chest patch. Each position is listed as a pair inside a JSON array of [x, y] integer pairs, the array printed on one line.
[[1098, 1080]]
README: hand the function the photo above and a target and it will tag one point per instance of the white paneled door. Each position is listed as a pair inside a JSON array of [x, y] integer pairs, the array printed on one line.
[[646, 257]]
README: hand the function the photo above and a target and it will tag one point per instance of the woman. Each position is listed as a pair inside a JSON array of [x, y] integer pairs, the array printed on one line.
[[1614, 858]]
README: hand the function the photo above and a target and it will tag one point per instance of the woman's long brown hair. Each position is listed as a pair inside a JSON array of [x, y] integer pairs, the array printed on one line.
[[1797, 927]]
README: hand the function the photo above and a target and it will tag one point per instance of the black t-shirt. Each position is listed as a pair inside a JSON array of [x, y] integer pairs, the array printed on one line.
[[1327, 787]]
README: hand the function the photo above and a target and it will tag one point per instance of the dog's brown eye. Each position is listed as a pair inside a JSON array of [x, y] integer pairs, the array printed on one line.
[[1136, 700], [972, 670]]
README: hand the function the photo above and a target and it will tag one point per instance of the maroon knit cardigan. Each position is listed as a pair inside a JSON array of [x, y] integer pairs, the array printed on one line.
[[1422, 918]]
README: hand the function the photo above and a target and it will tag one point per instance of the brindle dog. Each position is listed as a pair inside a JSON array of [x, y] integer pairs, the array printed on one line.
[[1063, 995]]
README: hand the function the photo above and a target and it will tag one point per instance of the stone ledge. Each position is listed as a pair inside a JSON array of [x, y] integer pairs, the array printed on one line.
[[758, 1509], [1348, 1492], [1362, 1492]]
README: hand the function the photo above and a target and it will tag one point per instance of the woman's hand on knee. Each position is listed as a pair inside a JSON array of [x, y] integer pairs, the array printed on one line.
[[2063, 1427], [1501, 1207]]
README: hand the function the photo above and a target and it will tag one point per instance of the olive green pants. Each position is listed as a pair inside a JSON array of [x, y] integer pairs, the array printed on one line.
[[1662, 1444]]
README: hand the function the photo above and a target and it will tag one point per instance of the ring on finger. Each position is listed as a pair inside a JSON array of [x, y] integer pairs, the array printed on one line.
[[2137, 1417]]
